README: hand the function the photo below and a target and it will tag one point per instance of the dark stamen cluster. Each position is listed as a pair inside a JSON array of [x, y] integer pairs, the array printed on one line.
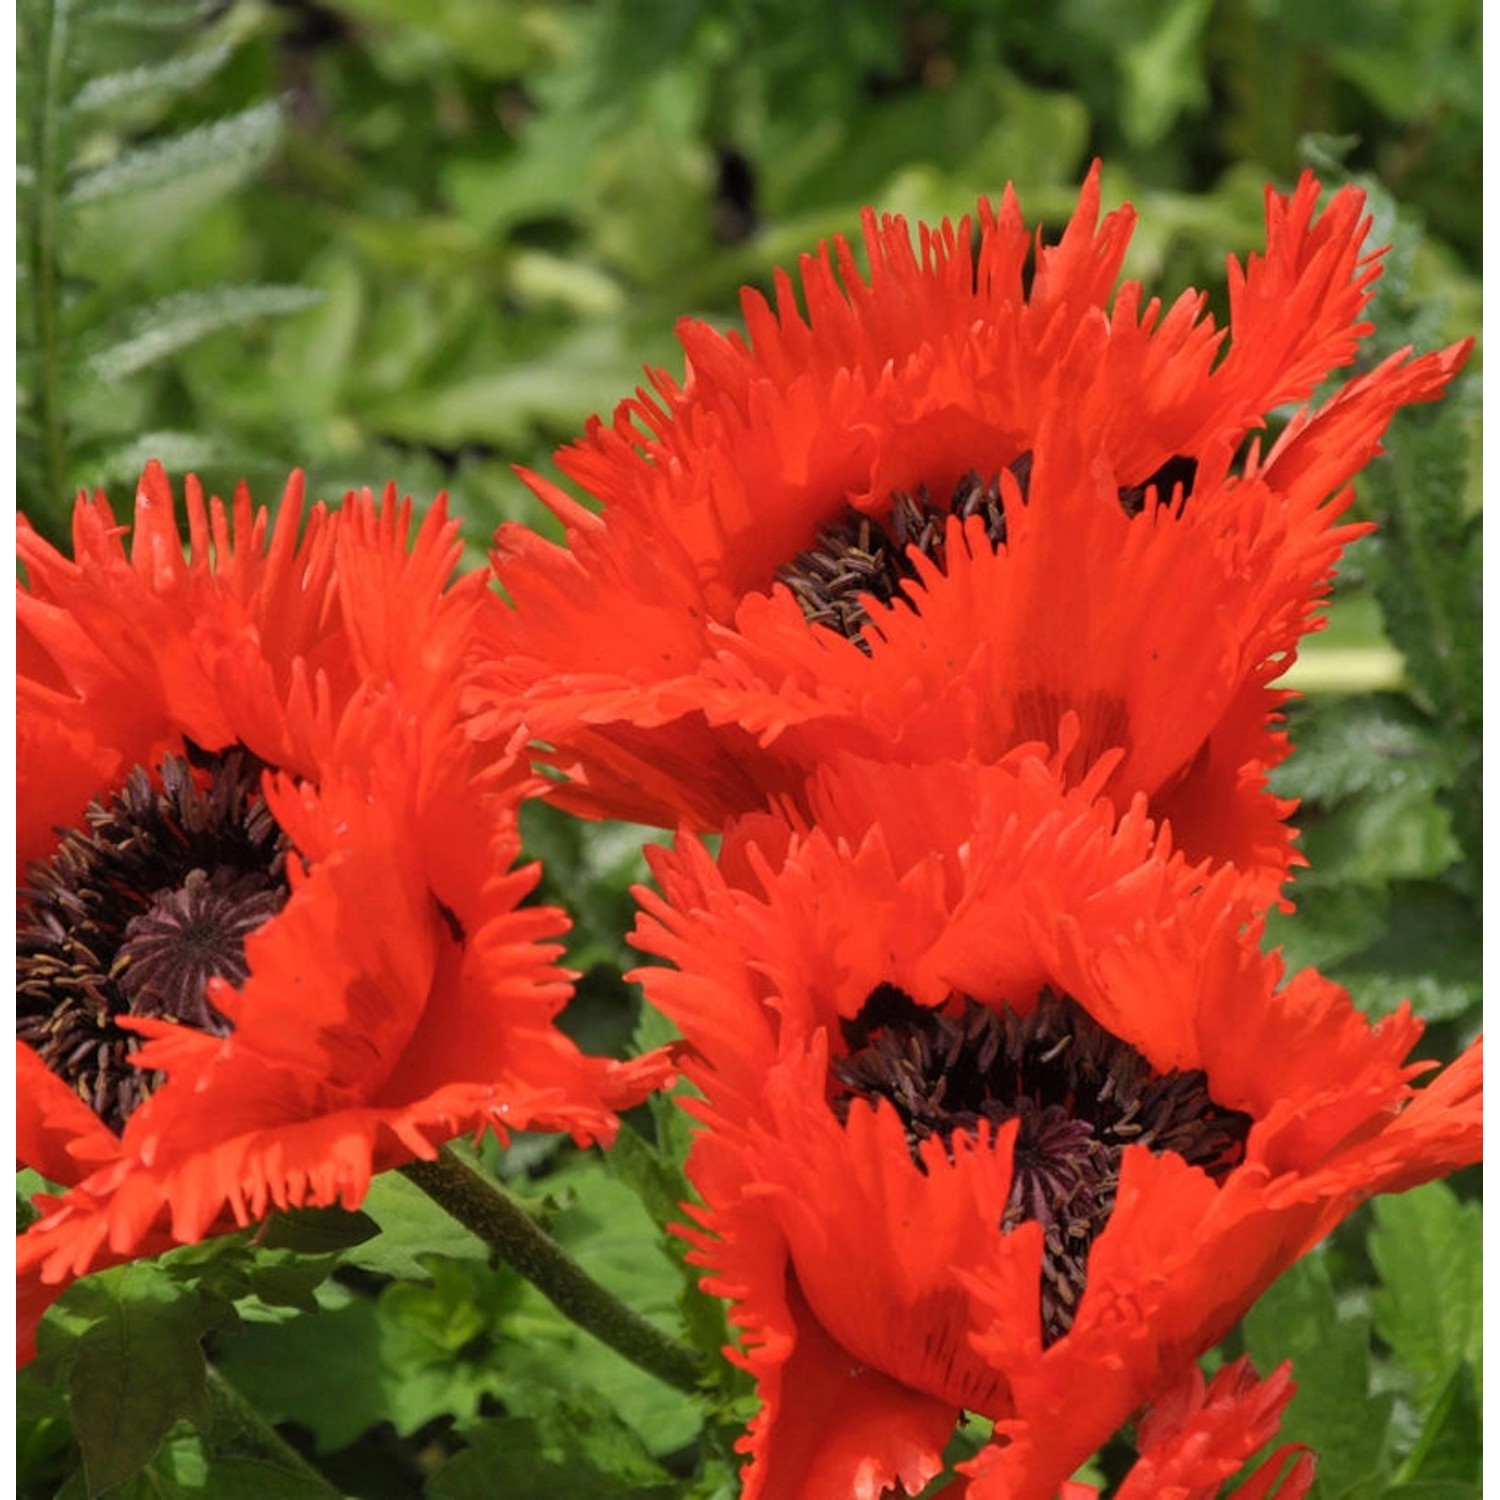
[[858, 555], [136, 911], [1081, 1096]]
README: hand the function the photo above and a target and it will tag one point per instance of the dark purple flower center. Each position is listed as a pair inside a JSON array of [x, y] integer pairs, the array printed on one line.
[[137, 911], [1081, 1096], [858, 555]]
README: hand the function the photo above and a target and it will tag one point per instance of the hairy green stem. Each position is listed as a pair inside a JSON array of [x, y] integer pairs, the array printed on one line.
[[46, 190], [258, 1438], [483, 1207]]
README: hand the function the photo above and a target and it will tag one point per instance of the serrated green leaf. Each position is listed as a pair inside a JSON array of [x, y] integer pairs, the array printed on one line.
[[1426, 1246], [177, 452], [174, 76], [1430, 997], [1400, 833], [1426, 565], [1333, 1410], [654, 1175], [567, 1453], [226, 151], [1379, 743], [154, 333], [1332, 920], [1429, 952], [137, 1369], [150, 15]]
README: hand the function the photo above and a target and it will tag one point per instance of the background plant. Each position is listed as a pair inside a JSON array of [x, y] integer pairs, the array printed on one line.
[[382, 240]]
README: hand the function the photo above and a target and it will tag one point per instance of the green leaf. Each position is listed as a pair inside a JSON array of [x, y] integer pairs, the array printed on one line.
[[411, 1225], [567, 1453], [1398, 834], [1426, 564], [584, 371], [1332, 921], [1379, 743], [186, 1469], [176, 75], [1432, 1489], [1426, 1246], [1409, 940], [1429, 953], [317, 1231], [1163, 73], [223, 153], [657, 1182], [235, 1267], [258, 1479], [606, 1229], [137, 1369], [156, 332], [45, 1449], [1333, 1410], [657, 1179], [282, 1279], [321, 1370], [1451, 1444], [177, 452], [444, 1342], [150, 15]]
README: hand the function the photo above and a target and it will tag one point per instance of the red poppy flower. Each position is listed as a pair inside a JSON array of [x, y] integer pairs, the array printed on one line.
[[946, 507], [1005, 1111], [276, 942]]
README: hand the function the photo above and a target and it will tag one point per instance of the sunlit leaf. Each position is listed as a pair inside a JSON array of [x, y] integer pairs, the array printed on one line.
[[157, 331], [175, 75], [1426, 1247], [221, 155]]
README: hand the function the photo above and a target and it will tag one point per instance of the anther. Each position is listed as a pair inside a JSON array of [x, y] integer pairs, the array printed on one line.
[[137, 911], [1080, 1095], [861, 555]]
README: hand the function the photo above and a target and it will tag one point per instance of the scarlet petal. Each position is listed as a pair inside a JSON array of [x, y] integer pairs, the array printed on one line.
[[838, 1427]]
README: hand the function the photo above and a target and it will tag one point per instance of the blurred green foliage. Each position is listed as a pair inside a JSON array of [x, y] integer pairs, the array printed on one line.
[[382, 240]]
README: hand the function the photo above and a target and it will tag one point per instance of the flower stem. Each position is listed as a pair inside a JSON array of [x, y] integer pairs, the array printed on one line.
[[258, 1439], [483, 1207], [49, 44]]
